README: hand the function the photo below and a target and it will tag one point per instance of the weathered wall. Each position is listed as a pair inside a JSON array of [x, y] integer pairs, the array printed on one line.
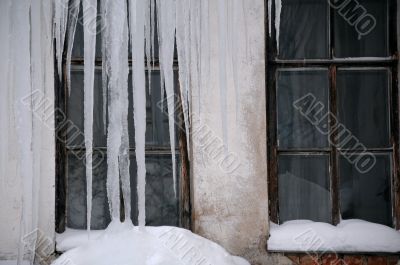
[[230, 203]]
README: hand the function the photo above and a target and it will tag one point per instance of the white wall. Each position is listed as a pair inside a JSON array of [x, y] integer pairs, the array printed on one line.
[[231, 208]]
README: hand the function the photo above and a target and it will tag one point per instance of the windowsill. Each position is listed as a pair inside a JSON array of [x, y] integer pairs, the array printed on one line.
[[350, 236]]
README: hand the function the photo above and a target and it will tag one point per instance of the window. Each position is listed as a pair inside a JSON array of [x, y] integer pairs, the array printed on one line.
[[162, 207], [333, 134]]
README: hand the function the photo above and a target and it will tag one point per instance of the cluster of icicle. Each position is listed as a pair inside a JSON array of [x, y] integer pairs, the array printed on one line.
[[134, 21]]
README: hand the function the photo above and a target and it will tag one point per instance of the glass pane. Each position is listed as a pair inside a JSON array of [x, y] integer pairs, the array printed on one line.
[[162, 207], [294, 129], [76, 192], [304, 30], [75, 133], [304, 189], [367, 195], [157, 132], [361, 29], [363, 106], [77, 49]]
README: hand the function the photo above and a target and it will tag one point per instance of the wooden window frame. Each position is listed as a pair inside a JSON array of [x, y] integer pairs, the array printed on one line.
[[272, 64], [61, 103]]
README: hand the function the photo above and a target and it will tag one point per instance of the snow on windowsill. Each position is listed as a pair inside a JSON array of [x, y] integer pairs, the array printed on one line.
[[348, 236]]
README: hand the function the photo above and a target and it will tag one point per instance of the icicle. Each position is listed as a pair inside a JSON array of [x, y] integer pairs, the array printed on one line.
[[269, 17], [124, 161], [205, 52], [182, 43], [89, 16], [103, 65], [148, 40], [166, 32], [117, 73], [152, 27], [37, 74], [233, 28], [4, 91], [137, 15], [222, 68], [21, 83], [278, 10], [60, 24], [73, 18]]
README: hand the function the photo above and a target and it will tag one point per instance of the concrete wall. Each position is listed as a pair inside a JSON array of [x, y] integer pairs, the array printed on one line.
[[230, 202]]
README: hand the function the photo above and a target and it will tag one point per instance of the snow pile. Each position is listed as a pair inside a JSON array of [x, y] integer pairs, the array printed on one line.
[[122, 243], [348, 236]]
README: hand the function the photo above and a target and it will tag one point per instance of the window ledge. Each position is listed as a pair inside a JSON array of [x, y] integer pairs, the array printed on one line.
[[350, 236]]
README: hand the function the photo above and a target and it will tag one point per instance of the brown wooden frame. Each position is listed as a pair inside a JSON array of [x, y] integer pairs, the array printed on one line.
[[332, 64]]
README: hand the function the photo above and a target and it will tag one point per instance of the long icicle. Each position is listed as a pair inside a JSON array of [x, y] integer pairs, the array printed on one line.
[[116, 17], [73, 19], [20, 80], [89, 19], [124, 161], [222, 47], [166, 32], [182, 42], [137, 15]]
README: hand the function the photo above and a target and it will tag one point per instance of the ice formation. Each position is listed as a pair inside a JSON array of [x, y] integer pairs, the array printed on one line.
[[166, 34], [116, 67], [137, 13], [89, 16]]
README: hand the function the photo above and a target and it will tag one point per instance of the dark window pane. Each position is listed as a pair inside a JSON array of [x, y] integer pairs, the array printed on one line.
[[161, 204], [75, 135], [294, 130], [157, 132], [304, 30], [76, 192], [363, 106], [77, 49], [372, 22], [162, 207], [304, 191], [366, 196]]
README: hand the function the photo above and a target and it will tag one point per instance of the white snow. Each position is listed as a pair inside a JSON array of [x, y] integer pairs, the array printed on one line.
[[348, 236], [137, 26], [89, 15], [124, 244]]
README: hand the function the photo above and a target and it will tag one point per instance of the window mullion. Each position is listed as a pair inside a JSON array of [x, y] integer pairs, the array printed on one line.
[[334, 157]]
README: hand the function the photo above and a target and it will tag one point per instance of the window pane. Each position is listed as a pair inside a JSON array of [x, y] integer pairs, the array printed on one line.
[[162, 207], [75, 133], [304, 30], [294, 130], [76, 192], [366, 196], [304, 189], [77, 49], [361, 30], [157, 132], [363, 105]]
